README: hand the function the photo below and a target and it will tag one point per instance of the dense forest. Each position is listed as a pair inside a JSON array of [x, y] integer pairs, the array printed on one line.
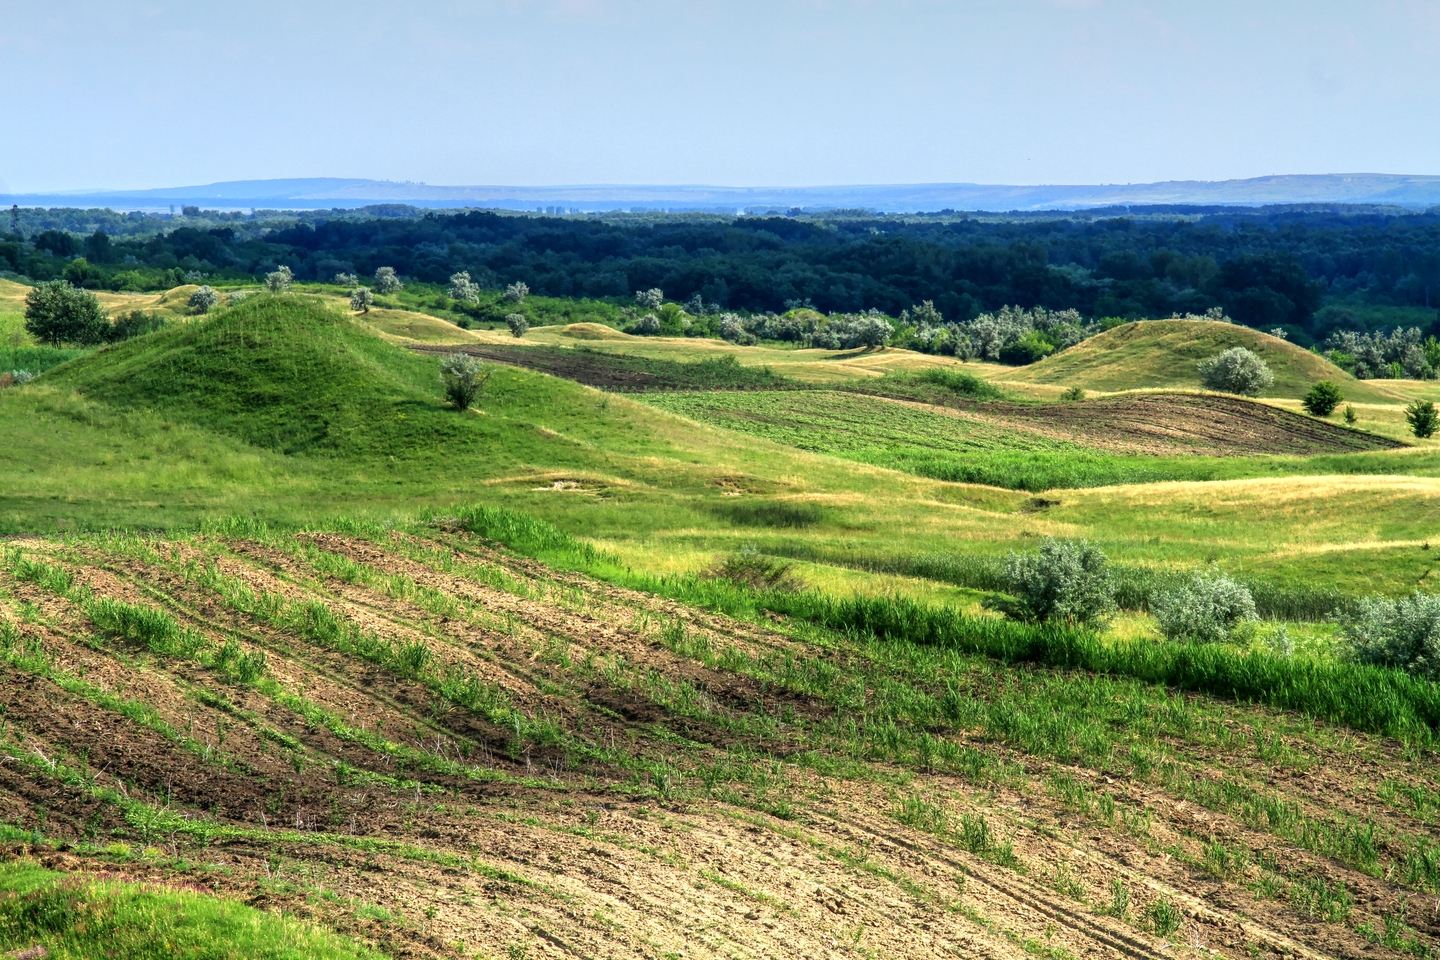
[[1265, 267]]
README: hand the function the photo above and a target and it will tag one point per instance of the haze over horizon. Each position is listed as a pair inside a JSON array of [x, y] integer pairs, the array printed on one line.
[[745, 94]]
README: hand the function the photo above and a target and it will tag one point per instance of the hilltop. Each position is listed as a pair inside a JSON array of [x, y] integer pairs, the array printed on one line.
[[1151, 354]]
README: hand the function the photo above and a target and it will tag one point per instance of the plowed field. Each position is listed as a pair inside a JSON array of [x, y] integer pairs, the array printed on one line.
[[1180, 423], [449, 750]]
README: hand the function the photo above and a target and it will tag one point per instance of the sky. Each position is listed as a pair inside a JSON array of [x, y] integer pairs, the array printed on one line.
[[129, 95]]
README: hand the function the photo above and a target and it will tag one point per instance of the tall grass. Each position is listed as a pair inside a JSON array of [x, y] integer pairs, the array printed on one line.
[[36, 359], [1136, 585], [525, 534], [1365, 697]]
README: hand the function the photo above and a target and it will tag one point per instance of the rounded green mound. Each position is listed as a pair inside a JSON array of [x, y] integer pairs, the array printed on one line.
[[283, 372], [1165, 354]]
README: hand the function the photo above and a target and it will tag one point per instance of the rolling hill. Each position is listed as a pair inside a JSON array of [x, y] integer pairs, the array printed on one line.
[[1164, 353]]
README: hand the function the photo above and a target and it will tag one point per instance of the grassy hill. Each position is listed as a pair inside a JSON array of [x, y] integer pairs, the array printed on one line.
[[1164, 353]]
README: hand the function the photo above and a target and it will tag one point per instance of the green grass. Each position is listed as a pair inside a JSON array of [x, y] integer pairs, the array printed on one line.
[[36, 359], [76, 917]]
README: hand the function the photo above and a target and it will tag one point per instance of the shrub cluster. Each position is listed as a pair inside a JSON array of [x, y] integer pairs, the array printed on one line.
[[464, 378], [1401, 353], [1211, 608], [1067, 581], [1013, 335], [1398, 633], [1236, 370], [1322, 399]]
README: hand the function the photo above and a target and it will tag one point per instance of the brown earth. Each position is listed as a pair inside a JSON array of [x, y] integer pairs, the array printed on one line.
[[647, 779]]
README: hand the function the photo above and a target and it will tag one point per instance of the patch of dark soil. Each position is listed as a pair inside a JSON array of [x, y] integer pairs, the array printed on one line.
[[625, 373]]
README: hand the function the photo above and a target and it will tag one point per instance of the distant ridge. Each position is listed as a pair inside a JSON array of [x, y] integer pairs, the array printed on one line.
[[1415, 192]]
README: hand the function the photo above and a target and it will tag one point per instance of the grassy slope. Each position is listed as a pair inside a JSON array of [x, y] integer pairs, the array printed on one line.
[[289, 411], [1164, 353]]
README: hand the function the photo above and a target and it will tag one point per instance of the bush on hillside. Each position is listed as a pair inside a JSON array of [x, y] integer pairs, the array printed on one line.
[[462, 288], [361, 299], [1073, 394], [751, 568], [464, 378], [1211, 608], [1401, 633], [646, 326], [1422, 418], [516, 292], [387, 280], [517, 323], [1068, 581], [1351, 417], [236, 298], [280, 280], [346, 280], [203, 299], [57, 313], [136, 323], [1029, 349], [19, 377], [846, 331], [651, 299], [1236, 370], [1322, 399]]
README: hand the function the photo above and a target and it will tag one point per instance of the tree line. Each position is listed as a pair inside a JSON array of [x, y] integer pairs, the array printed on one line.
[[1264, 269]]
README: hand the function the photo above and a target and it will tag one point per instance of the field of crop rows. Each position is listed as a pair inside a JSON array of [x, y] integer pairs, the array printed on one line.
[[426, 740]]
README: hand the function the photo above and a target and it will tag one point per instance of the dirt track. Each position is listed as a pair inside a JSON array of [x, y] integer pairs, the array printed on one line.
[[682, 806]]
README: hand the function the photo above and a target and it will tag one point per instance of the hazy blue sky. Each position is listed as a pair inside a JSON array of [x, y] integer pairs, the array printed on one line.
[[779, 92]]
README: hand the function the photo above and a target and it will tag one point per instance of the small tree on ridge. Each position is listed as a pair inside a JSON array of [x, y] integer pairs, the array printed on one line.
[[1236, 370]]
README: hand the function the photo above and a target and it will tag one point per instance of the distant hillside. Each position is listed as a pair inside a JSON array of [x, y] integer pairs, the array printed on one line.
[[327, 192], [1164, 353]]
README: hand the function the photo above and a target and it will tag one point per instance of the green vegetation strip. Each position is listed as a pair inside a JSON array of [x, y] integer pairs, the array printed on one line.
[[79, 916], [1368, 698]]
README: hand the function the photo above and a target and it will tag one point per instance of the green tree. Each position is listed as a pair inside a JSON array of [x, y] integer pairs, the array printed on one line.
[[1322, 399], [1422, 417], [360, 299], [79, 273], [57, 313], [518, 324]]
